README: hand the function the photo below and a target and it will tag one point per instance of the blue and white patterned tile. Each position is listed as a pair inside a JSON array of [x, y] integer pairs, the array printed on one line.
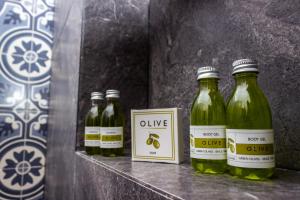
[[17, 56], [38, 147], [13, 16], [15, 154], [41, 94], [29, 6], [39, 85], [50, 4], [17, 42], [22, 170], [26, 110], [42, 67], [22, 182], [10, 128], [14, 150], [39, 196], [11, 93], [45, 21], [26, 38], [26, 53], [34, 184], [39, 128], [28, 59], [39, 7], [11, 169], [9, 184]]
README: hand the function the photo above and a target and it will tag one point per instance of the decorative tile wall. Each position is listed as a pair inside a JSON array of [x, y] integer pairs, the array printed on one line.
[[26, 37]]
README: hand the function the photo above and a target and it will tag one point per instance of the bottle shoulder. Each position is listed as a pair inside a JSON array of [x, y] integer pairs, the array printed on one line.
[[248, 108], [247, 97], [94, 113], [112, 115], [112, 109], [208, 108], [208, 98]]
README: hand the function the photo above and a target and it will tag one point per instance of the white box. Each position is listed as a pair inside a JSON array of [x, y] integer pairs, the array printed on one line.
[[156, 135]]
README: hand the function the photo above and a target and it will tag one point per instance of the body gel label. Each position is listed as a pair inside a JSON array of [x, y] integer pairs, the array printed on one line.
[[92, 136], [208, 142], [111, 137], [250, 148]]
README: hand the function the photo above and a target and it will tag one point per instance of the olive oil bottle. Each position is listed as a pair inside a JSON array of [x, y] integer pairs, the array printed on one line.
[[112, 126], [92, 124], [207, 130], [250, 138]]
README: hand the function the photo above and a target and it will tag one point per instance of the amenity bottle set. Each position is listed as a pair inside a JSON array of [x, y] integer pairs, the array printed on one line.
[[238, 137], [104, 125]]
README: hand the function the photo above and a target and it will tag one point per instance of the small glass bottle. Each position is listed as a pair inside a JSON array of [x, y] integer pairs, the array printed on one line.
[[250, 137], [112, 126], [207, 130], [92, 124]]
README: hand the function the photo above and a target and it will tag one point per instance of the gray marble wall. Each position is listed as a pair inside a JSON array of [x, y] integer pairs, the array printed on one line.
[[60, 165], [114, 54], [187, 34], [100, 44]]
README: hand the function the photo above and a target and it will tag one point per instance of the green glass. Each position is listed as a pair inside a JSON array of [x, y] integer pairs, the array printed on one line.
[[208, 109], [93, 118], [248, 108], [113, 116]]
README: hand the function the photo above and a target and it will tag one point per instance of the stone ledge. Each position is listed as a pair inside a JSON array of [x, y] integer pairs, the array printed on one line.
[[170, 181]]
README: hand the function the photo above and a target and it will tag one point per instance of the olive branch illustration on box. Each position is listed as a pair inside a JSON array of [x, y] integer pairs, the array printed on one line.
[[230, 145], [153, 140]]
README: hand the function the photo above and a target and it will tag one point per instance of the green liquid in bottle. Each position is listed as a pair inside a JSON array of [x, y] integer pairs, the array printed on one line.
[[249, 130], [208, 118], [112, 126], [92, 125]]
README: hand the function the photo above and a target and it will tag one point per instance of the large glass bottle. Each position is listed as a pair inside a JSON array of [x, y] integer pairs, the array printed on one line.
[[112, 126], [250, 138], [207, 130], [92, 124]]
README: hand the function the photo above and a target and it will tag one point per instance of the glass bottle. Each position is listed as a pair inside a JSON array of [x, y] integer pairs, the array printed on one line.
[[112, 126], [92, 124], [207, 130], [250, 137]]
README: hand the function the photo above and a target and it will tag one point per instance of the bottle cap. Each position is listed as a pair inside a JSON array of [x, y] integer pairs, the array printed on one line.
[[207, 72], [97, 95], [112, 94], [244, 65]]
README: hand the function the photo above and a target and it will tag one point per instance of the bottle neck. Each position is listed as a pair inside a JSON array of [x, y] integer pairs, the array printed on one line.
[[112, 100], [209, 83], [249, 78], [96, 102]]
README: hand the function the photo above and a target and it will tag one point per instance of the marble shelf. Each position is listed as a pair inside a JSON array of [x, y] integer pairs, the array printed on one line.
[[169, 181]]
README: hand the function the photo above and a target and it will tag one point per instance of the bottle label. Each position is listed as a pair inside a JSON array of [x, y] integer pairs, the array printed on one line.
[[208, 142], [92, 136], [250, 148], [111, 137]]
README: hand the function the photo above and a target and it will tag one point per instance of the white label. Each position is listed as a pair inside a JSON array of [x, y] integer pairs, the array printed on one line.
[[250, 148], [111, 137], [154, 136], [208, 142], [92, 136]]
